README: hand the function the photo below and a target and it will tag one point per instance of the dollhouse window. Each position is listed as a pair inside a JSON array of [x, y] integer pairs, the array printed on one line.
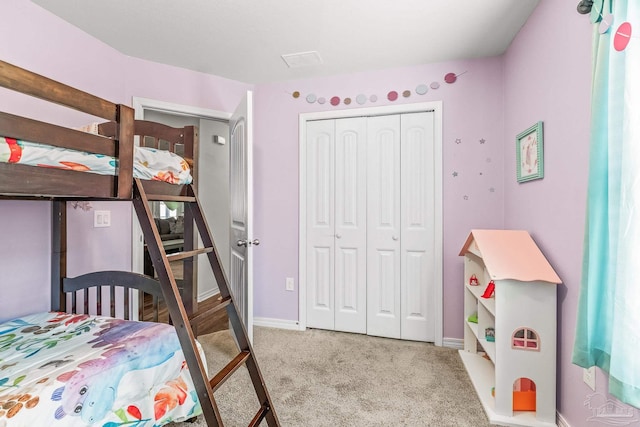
[[525, 339]]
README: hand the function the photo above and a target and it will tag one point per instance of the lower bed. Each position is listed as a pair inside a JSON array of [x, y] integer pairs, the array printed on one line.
[[59, 369]]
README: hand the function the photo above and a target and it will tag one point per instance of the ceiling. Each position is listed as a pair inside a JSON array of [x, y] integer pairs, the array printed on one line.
[[244, 39]]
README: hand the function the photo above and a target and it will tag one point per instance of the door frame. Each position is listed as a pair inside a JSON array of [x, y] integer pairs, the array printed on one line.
[[140, 105], [436, 108]]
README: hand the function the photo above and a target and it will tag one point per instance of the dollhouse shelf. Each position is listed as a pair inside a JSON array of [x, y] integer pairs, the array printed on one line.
[[524, 303]]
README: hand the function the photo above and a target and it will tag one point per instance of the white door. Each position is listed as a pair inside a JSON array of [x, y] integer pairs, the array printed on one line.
[[351, 225], [383, 226], [320, 224], [242, 241], [336, 225], [417, 234]]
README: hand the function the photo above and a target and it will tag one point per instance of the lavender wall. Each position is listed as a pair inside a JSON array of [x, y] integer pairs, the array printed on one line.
[[472, 109], [548, 78], [50, 46]]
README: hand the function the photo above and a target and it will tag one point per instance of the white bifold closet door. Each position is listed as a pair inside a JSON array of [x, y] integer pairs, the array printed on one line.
[[370, 225], [336, 225]]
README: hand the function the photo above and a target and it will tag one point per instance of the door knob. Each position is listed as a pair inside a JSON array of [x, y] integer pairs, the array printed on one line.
[[395, 237], [338, 236], [254, 242]]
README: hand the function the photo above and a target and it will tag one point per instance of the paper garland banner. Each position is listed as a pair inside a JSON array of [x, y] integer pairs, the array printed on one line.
[[361, 99]]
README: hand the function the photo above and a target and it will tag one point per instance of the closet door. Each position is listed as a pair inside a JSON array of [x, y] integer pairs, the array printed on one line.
[[383, 226], [417, 234], [320, 249], [351, 225]]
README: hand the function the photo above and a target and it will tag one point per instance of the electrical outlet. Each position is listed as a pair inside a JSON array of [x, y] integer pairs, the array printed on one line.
[[289, 284], [589, 377]]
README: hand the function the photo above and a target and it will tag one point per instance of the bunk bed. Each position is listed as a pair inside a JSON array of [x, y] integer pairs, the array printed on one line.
[[71, 367], [57, 366]]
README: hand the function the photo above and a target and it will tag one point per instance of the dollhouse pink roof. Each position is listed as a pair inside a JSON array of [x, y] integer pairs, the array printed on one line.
[[510, 254]]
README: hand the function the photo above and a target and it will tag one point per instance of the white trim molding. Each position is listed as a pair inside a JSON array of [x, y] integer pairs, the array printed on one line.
[[266, 322], [436, 107], [456, 343]]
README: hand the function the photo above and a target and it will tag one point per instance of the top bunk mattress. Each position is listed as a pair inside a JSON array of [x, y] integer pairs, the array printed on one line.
[[149, 163], [59, 369]]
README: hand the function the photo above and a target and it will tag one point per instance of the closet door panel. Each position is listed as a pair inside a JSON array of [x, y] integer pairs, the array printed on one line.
[[418, 226], [383, 226], [320, 224], [350, 225]]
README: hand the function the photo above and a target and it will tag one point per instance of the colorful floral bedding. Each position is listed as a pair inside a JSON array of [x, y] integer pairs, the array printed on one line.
[[148, 163], [67, 370]]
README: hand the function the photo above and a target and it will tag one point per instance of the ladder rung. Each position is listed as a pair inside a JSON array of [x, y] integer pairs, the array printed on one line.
[[231, 367], [262, 412], [219, 306], [168, 198], [188, 254]]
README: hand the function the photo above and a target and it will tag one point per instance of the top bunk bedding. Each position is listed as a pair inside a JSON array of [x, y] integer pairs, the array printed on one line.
[[112, 156]]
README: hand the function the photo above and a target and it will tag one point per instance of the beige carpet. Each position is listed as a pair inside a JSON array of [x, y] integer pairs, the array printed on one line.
[[321, 378]]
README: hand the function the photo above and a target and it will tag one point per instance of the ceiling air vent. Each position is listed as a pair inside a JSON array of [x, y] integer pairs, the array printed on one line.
[[302, 59]]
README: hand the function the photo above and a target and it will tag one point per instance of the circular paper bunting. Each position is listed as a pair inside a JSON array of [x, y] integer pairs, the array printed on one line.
[[605, 24], [335, 101], [311, 98], [450, 78], [373, 98], [392, 96], [347, 101], [296, 94], [321, 100], [361, 99], [406, 93], [622, 37], [422, 89], [434, 85]]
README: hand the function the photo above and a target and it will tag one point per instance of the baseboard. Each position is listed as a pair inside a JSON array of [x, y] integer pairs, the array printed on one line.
[[456, 343], [561, 421], [208, 294], [291, 325]]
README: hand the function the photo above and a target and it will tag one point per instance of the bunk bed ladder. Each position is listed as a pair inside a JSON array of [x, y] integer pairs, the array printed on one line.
[[181, 320]]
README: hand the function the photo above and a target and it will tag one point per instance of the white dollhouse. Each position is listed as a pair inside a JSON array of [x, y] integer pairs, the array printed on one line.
[[510, 327]]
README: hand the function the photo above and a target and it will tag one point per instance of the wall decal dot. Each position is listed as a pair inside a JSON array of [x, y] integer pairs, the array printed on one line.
[[480, 173], [361, 99], [392, 96], [458, 141], [296, 94], [321, 100], [488, 159], [406, 93], [373, 98], [455, 174], [311, 98], [335, 101], [450, 78], [482, 141], [434, 85], [421, 89], [622, 36], [466, 197], [492, 190], [347, 101], [605, 24]]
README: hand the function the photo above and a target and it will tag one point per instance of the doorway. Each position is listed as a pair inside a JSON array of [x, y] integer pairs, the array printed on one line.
[[212, 180], [313, 295]]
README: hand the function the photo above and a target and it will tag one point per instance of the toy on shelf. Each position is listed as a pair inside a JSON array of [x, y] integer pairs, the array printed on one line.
[[473, 280], [473, 318], [490, 334], [489, 291]]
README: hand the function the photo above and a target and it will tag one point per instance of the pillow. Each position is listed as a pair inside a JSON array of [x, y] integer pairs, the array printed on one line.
[[164, 226], [177, 226]]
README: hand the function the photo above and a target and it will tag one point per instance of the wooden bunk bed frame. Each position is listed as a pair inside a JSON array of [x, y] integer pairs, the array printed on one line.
[[117, 140]]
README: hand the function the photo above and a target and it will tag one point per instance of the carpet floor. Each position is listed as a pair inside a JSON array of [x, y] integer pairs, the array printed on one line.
[[331, 379]]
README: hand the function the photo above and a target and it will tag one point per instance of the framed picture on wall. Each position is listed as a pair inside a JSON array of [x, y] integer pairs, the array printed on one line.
[[529, 159]]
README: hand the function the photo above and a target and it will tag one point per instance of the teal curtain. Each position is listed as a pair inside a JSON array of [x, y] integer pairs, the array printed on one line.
[[608, 326]]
